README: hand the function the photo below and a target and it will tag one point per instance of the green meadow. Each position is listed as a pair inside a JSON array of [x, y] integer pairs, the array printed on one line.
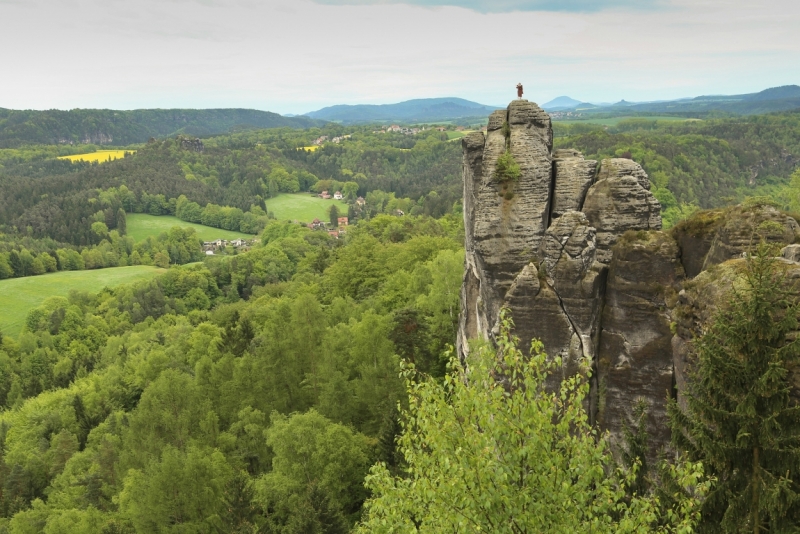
[[302, 207], [20, 295], [141, 225], [613, 121]]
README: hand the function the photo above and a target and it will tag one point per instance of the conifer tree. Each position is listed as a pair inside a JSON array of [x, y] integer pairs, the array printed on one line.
[[739, 418]]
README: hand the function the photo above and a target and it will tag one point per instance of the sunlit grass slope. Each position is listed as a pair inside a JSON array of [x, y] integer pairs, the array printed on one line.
[[303, 207], [19, 295], [141, 225], [100, 156]]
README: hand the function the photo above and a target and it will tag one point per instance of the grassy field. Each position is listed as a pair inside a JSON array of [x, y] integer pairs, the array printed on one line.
[[19, 295], [101, 156], [453, 135], [141, 225], [613, 121], [302, 207]]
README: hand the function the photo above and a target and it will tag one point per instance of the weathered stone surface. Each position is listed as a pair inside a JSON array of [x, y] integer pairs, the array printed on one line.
[[791, 253], [635, 353], [593, 277], [537, 312], [620, 200], [618, 167], [505, 220], [572, 176], [568, 255], [472, 320], [694, 237], [744, 227]]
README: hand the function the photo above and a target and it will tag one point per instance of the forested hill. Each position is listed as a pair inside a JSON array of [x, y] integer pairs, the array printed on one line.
[[106, 126], [410, 111]]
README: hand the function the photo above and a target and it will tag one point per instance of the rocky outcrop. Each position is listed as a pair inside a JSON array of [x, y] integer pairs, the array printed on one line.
[[574, 250], [572, 176], [635, 355], [791, 253], [505, 219], [743, 227], [619, 201], [193, 145]]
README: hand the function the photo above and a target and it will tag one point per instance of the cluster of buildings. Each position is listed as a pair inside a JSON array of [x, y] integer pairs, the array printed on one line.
[[316, 224], [399, 129], [240, 245], [336, 196], [321, 139], [565, 114]]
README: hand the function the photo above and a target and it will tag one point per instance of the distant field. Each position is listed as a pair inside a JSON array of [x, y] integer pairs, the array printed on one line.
[[311, 148], [141, 225], [301, 207], [101, 156], [453, 135], [615, 120], [20, 295]]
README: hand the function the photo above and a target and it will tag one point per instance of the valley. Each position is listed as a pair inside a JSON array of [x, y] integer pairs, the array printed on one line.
[[139, 361]]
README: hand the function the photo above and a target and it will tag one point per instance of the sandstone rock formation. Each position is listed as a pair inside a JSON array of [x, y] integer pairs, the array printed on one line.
[[574, 249]]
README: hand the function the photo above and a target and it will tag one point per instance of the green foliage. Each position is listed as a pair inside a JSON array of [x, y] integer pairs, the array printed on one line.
[[143, 407], [316, 484], [507, 169], [490, 450], [739, 418]]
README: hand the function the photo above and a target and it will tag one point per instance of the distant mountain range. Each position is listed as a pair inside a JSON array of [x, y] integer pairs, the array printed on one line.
[[770, 100], [410, 111], [106, 126], [562, 102]]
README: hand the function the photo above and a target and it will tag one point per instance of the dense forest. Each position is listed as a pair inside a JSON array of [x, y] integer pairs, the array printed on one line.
[[106, 126], [223, 377]]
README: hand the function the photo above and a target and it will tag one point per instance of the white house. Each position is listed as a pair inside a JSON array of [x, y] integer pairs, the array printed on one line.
[[338, 195]]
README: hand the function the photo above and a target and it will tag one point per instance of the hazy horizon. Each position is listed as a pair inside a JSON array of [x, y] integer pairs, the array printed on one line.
[[293, 57]]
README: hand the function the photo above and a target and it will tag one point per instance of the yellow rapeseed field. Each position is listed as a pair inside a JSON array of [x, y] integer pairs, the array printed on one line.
[[309, 148], [100, 156]]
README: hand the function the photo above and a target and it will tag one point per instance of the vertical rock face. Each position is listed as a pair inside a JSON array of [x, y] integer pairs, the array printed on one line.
[[505, 220], [572, 177], [619, 201], [635, 356], [541, 244], [576, 253]]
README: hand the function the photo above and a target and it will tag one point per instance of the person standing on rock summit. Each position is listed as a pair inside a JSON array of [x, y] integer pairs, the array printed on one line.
[[519, 90]]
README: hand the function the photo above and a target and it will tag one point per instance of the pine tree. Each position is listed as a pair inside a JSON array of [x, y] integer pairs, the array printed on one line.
[[333, 212], [739, 418]]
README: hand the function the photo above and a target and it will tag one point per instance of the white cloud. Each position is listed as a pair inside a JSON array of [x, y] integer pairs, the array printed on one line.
[[296, 56]]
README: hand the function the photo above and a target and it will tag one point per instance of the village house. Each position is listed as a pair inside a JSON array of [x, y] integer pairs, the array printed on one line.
[[320, 140], [338, 195], [324, 195], [342, 221], [333, 233], [360, 201], [316, 224]]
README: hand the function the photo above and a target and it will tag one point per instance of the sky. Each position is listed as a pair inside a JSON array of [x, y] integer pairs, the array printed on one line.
[[296, 56]]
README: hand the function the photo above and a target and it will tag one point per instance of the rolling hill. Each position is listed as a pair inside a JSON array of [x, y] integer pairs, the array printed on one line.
[[410, 111], [114, 127], [771, 100]]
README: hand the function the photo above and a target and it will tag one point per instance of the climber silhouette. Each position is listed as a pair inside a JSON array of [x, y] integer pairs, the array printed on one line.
[[519, 90]]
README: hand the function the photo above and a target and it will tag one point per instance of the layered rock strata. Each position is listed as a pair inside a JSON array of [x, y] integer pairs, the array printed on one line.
[[574, 249]]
